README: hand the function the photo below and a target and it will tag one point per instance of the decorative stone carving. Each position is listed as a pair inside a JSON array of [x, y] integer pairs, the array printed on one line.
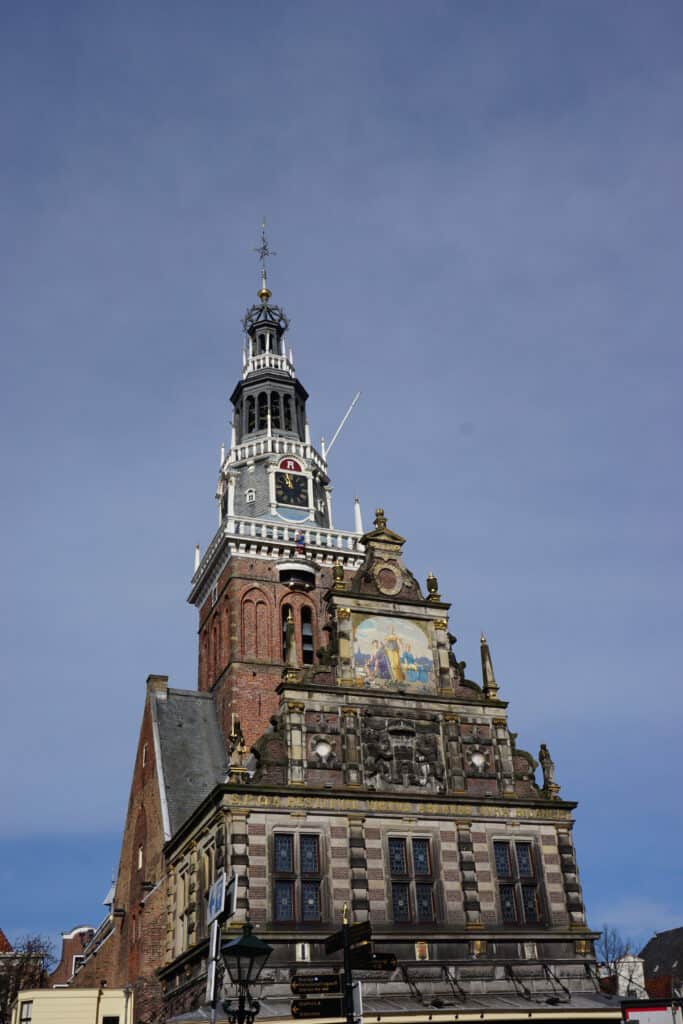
[[402, 752], [322, 752]]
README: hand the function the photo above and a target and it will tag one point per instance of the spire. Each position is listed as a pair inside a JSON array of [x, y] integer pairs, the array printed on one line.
[[264, 313], [357, 517], [264, 251], [487, 674]]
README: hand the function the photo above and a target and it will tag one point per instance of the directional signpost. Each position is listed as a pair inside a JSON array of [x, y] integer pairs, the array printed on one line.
[[349, 933], [318, 984], [356, 942], [317, 1008]]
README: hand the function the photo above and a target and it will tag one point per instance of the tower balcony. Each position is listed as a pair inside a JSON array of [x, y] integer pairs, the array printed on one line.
[[268, 361], [265, 538], [275, 445]]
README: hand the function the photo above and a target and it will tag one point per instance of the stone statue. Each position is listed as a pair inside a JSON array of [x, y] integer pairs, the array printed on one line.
[[550, 787]]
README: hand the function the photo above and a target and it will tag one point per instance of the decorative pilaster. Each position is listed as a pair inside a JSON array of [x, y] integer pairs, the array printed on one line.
[[504, 748], [171, 895], [443, 656], [239, 865], [351, 753], [468, 872], [360, 900], [345, 665], [295, 743], [454, 769], [193, 895], [220, 848], [570, 878]]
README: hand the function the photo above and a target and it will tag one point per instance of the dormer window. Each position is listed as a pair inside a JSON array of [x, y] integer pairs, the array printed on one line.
[[250, 495]]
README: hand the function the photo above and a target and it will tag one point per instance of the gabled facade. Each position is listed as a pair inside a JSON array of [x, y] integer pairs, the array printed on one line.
[[334, 753]]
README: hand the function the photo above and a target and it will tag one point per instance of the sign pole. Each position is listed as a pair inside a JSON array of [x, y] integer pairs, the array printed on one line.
[[348, 973], [214, 943]]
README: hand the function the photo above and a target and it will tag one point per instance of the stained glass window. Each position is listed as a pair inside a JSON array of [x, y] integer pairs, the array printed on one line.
[[398, 861], [530, 903], [421, 864], [507, 904], [501, 852], [524, 861], [309, 855], [424, 902], [310, 901], [284, 901], [400, 901], [284, 854]]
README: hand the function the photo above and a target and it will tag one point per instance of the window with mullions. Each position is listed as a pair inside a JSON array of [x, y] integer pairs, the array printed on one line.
[[26, 1012], [412, 886], [303, 628], [297, 878], [517, 883]]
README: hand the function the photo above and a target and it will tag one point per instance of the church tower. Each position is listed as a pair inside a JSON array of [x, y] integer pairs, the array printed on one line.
[[271, 559]]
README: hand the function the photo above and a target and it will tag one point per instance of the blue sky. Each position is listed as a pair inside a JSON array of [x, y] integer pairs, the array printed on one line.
[[476, 209]]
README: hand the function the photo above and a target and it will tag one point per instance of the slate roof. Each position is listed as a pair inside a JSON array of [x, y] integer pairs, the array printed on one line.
[[192, 753], [663, 954]]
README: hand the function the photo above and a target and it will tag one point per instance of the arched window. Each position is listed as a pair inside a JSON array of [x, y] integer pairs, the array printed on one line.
[[306, 635], [203, 661], [262, 410], [250, 495], [251, 414], [255, 626], [287, 403], [286, 612], [275, 410], [215, 649], [261, 344]]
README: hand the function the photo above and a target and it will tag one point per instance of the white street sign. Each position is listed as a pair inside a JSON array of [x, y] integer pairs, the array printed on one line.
[[217, 898]]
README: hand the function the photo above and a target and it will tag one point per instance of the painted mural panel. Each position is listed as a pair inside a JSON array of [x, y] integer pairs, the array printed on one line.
[[391, 654]]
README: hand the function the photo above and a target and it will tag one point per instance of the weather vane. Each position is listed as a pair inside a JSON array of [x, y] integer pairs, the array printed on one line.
[[263, 252]]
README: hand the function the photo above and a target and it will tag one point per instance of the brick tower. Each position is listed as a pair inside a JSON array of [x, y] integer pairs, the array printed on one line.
[[270, 561]]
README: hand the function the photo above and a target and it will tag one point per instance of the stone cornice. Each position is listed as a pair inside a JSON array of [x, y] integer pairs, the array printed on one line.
[[249, 537], [386, 803]]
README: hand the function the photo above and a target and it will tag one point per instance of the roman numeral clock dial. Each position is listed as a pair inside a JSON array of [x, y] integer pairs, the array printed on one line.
[[291, 489]]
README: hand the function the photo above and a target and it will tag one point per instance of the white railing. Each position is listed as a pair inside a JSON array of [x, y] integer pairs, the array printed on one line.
[[254, 531], [276, 446], [268, 361], [314, 537]]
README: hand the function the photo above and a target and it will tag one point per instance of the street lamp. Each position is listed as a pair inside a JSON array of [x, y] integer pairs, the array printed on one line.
[[244, 959]]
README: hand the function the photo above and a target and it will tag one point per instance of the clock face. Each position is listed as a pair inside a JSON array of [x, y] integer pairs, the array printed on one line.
[[291, 490]]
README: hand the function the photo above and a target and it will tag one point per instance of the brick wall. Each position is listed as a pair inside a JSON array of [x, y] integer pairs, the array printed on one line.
[[240, 640], [135, 948]]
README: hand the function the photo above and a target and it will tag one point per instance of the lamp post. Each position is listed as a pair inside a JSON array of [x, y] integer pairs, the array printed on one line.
[[244, 959]]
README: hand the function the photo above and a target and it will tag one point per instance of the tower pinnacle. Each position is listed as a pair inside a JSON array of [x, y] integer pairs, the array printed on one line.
[[264, 251]]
